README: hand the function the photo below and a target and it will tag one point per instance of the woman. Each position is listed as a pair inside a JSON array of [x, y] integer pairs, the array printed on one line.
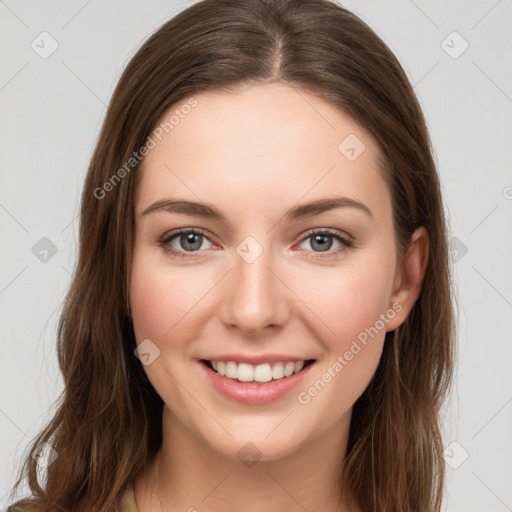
[[260, 318]]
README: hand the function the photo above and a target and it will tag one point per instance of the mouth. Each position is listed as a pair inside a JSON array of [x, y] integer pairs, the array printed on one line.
[[261, 373], [256, 384]]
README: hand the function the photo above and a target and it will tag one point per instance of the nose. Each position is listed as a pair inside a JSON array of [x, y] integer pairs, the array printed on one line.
[[256, 299]]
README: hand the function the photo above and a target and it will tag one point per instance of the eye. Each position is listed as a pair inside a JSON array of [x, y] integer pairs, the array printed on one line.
[[322, 240], [190, 240]]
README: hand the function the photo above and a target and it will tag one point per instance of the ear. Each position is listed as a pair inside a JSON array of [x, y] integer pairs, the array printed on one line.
[[409, 278]]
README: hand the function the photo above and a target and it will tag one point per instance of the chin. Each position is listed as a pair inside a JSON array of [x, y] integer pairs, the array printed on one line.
[[255, 448]]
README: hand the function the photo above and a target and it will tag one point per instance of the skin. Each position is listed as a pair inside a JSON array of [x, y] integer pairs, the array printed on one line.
[[254, 154]]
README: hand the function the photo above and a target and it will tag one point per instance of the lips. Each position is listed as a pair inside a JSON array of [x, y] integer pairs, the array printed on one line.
[[251, 392]]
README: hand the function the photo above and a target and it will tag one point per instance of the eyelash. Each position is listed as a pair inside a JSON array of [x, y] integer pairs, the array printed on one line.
[[165, 241]]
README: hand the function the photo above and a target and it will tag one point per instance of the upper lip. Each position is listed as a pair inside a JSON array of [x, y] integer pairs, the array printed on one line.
[[255, 360]]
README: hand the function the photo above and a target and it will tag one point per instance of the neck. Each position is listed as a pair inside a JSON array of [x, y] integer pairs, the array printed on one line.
[[189, 475]]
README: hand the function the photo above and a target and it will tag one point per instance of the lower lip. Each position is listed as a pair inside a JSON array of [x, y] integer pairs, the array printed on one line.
[[254, 392]]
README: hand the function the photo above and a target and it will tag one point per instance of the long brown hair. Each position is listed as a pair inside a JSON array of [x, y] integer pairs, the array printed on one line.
[[107, 426]]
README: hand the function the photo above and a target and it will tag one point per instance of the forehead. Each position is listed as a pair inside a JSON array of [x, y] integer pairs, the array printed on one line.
[[261, 145]]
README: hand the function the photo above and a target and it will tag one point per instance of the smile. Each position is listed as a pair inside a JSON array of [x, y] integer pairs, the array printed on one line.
[[258, 388], [265, 372]]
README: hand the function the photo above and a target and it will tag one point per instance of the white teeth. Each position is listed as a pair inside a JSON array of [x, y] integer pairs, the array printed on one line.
[[230, 370], [277, 371], [288, 369], [245, 372], [260, 373], [263, 373]]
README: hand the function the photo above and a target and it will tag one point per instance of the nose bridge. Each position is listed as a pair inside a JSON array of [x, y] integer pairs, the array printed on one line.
[[257, 296]]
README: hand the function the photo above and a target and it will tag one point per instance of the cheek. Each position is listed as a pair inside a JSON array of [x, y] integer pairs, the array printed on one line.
[[162, 301], [346, 301], [350, 304], [148, 295]]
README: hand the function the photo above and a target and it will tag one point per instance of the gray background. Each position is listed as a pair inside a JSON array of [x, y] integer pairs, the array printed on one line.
[[51, 112]]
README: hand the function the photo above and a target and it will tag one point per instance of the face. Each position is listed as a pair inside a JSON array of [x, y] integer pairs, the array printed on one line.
[[262, 284]]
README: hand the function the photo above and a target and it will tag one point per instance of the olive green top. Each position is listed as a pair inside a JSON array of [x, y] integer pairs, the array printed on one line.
[[127, 502]]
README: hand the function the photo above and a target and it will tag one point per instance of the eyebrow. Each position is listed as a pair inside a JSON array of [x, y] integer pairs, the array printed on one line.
[[300, 211]]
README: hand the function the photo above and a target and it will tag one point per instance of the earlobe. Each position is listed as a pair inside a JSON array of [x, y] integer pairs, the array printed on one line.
[[409, 278]]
